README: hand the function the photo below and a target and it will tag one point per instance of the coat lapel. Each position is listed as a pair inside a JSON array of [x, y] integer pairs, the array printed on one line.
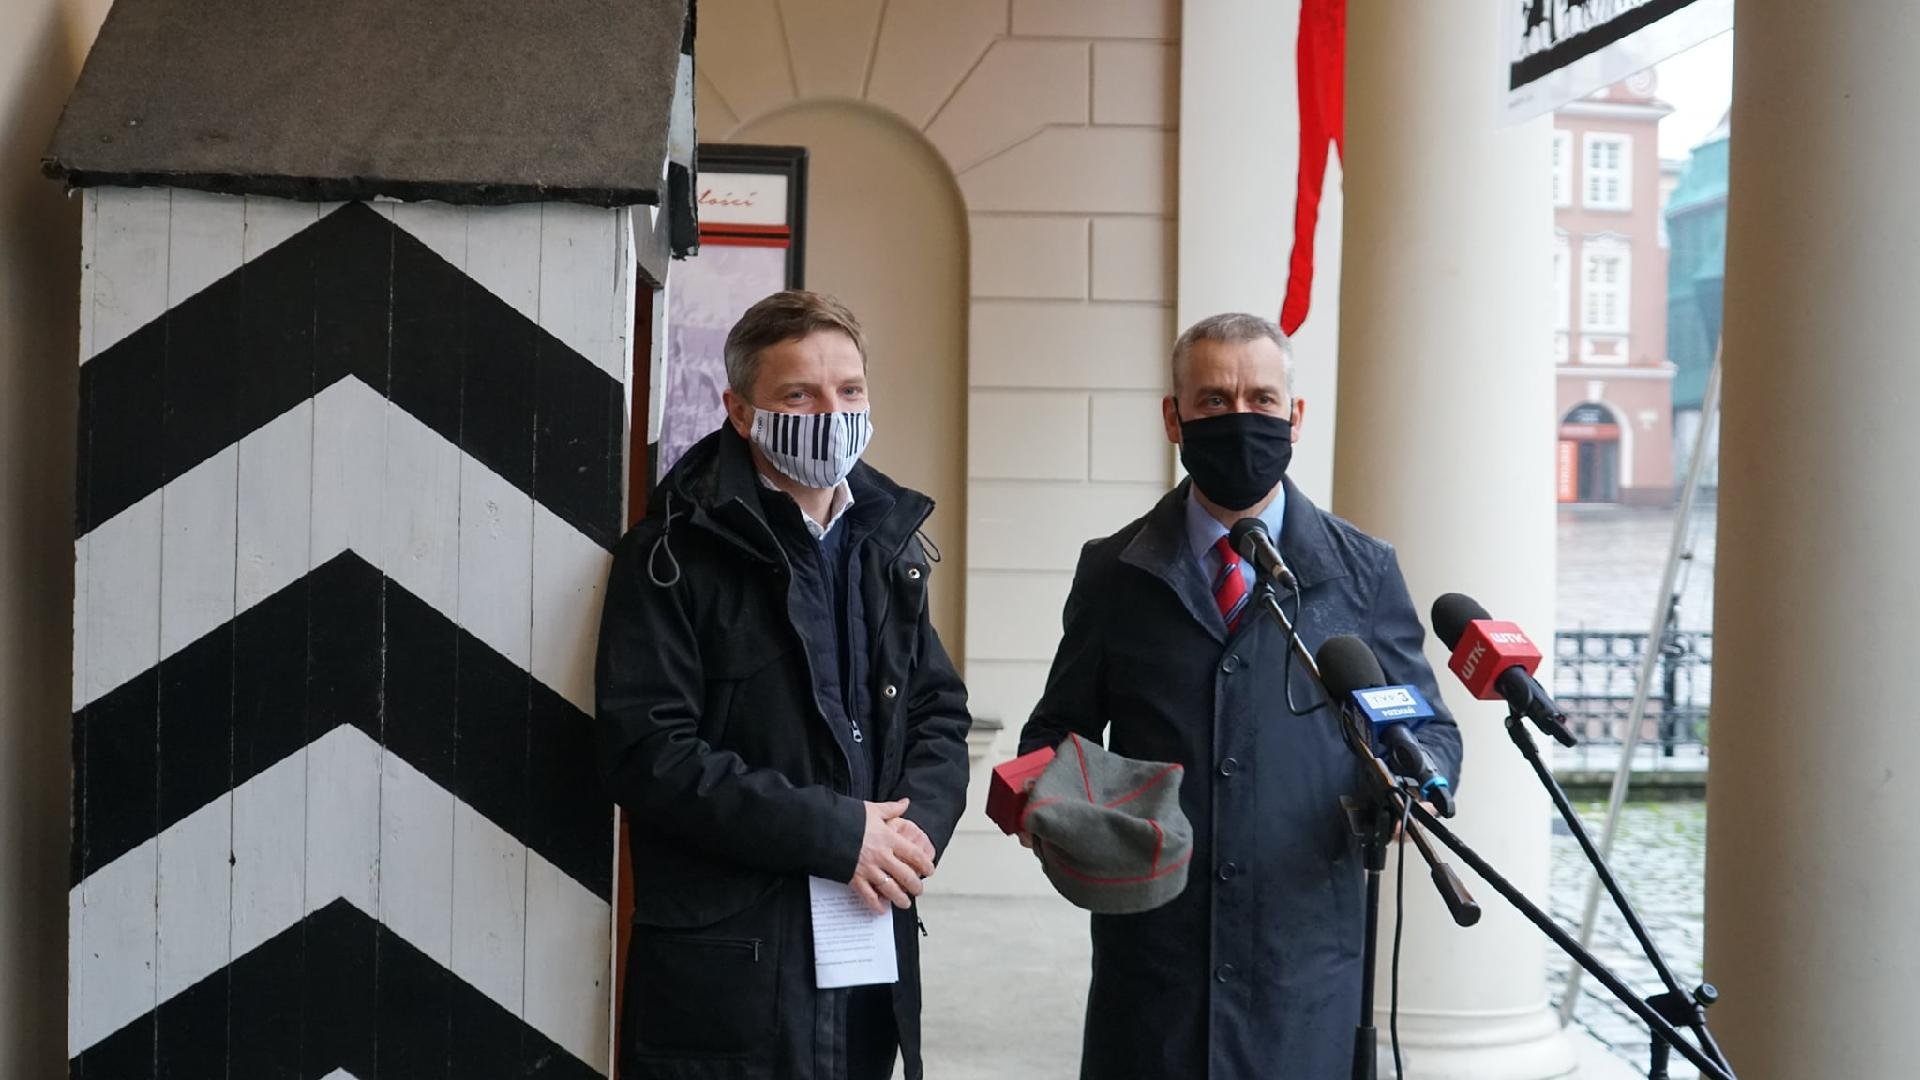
[[1160, 548], [1305, 544]]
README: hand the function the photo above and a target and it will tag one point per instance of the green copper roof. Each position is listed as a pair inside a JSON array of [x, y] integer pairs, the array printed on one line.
[[1696, 216], [1704, 180]]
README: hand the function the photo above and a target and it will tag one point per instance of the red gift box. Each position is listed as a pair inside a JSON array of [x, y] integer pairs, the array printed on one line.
[[1007, 792]]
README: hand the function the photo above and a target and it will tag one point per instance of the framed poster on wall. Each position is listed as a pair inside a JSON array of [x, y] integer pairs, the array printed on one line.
[[752, 202]]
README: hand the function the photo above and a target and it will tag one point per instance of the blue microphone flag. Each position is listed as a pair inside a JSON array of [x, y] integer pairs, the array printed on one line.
[[1399, 704]]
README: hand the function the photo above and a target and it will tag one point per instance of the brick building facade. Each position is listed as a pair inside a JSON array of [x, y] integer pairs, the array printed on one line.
[[1610, 284]]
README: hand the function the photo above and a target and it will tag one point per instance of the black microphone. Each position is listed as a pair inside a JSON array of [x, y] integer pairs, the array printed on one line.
[[1496, 660], [1249, 537], [1352, 676]]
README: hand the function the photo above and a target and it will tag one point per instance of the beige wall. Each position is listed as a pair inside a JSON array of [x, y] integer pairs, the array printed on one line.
[[42, 43], [1056, 119], [886, 232]]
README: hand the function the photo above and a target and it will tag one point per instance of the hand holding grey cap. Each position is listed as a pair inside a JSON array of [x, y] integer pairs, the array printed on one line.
[[1109, 829]]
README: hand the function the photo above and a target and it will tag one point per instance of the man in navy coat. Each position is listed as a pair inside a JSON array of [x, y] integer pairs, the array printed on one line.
[[1254, 971]]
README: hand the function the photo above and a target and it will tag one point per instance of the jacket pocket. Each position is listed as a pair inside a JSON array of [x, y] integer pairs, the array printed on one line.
[[700, 1005], [751, 676]]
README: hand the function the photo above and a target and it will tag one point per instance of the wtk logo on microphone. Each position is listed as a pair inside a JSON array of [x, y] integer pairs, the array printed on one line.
[[1393, 705], [1471, 663]]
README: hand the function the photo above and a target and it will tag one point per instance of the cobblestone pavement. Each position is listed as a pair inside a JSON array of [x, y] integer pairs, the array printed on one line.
[[1610, 562], [1659, 857]]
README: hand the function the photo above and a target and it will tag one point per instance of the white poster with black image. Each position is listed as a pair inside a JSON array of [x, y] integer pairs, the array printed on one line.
[[1555, 51]]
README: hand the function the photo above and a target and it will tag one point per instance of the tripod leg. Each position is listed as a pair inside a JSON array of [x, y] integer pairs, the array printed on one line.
[[1372, 821], [1366, 1038]]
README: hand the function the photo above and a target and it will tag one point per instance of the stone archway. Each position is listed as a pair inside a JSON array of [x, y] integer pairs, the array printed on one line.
[[1055, 121], [887, 233], [1603, 426]]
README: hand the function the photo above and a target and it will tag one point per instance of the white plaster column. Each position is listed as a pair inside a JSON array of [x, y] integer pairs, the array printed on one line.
[[1239, 160], [1813, 863], [1443, 448]]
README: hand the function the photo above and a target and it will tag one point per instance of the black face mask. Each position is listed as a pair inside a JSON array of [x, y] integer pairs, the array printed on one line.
[[1236, 458]]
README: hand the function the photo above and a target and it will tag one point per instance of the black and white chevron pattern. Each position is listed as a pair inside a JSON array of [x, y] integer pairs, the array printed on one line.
[[336, 991], [348, 480]]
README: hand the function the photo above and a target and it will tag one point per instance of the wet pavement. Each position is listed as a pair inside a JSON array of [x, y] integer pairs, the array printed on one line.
[[1610, 563], [1006, 976], [1660, 859]]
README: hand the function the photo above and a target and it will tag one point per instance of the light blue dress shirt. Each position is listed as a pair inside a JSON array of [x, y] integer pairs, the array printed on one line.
[[1204, 531]]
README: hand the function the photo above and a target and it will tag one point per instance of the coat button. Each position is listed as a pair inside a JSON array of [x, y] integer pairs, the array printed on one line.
[[1230, 665], [889, 691], [1223, 973], [1228, 765], [1228, 871], [913, 573]]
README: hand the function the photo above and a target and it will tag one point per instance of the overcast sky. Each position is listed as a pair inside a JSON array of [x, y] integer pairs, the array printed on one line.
[[1698, 84]]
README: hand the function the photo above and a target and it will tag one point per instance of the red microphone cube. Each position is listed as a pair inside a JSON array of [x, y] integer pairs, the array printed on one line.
[[1007, 791], [1488, 647]]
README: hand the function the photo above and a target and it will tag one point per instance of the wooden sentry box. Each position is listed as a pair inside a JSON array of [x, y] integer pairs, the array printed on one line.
[[350, 470]]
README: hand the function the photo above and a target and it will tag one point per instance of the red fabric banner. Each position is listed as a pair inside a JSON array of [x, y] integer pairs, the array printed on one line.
[[1322, 61]]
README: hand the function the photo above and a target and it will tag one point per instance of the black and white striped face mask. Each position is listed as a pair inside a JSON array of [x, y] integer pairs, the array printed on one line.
[[815, 449]]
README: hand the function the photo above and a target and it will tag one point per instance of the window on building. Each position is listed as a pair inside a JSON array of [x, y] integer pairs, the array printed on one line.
[[1609, 172], [1562, 168], [1606, 267]]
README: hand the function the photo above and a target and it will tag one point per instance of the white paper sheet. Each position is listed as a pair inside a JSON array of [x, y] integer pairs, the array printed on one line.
[[851, 945]]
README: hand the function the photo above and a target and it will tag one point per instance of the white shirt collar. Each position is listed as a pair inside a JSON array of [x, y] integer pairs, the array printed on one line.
[[842, 499]]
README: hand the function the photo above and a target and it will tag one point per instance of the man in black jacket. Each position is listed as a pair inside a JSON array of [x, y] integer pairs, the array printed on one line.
[[1254, 970], [775, 707]]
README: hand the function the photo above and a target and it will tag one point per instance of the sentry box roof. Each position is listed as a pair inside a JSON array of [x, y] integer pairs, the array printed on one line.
[[465, 101]]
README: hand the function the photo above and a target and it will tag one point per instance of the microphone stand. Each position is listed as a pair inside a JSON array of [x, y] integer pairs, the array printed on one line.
[[1675, 1006], [1372, 815], [1661, 1012], [1665, 1035]]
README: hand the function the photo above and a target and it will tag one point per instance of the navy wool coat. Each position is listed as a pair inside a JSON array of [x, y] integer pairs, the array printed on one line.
[[1254, 971]]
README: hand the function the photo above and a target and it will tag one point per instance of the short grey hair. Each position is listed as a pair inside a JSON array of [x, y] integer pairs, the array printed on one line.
[[1232, 328]]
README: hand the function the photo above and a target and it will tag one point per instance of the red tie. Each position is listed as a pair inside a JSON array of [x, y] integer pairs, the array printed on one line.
[[1230, 588]]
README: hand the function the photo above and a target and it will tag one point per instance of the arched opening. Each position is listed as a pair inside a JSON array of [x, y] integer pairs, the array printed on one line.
[[1590, 454], [887, 233]]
